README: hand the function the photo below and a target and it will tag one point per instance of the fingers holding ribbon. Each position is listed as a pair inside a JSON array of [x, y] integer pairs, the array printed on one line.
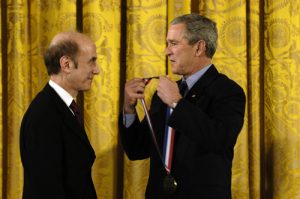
[[134, 90], [168, 91]]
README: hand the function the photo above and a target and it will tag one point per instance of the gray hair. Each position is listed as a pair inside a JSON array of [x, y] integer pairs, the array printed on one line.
[[199, 28]]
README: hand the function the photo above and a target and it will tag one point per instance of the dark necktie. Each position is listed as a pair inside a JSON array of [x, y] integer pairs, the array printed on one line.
[[183, 88], [76, 112]]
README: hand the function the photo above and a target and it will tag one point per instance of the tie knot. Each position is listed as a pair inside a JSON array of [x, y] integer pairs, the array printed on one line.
[[76, 112], [74, 107], [183, 87]]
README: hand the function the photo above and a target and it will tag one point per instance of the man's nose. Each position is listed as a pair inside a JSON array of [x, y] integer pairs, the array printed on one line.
[[167, 51], [96, 69]]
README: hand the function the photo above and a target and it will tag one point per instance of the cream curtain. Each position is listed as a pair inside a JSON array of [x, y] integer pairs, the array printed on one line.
[[259, 47]]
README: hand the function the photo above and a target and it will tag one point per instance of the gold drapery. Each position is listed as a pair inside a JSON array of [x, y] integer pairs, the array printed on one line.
[[259, 47]]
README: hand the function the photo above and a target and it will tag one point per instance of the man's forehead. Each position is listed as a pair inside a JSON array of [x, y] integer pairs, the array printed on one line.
[[75, 36], [177, 29]]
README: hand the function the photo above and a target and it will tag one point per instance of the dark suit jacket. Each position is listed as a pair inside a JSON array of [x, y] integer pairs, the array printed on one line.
[[56, 154], [207, 123]]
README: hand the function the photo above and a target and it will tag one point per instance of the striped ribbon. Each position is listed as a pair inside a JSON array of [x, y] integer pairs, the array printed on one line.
[[168, 143]]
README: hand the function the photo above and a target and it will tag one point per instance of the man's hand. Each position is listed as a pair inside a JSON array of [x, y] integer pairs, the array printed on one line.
[[168, 91], [134, 90]]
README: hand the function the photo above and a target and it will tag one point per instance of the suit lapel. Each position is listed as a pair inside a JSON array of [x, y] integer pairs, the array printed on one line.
[[68, 117]]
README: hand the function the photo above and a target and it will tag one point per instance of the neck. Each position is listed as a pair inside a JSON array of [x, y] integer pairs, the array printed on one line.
[[198, 66], [61, 81], [204, 62]]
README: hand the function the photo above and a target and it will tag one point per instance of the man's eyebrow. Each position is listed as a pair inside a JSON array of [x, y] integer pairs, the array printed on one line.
[[172, 40]]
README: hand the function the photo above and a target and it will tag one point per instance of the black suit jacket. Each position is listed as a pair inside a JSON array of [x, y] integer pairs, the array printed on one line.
[[56, 154], [207, 123]]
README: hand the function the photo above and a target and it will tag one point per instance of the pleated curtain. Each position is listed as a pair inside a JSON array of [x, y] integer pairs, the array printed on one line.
[[258, 47]]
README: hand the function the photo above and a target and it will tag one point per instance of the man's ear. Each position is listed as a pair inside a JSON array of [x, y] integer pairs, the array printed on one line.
[[200, 48], [65, 62]]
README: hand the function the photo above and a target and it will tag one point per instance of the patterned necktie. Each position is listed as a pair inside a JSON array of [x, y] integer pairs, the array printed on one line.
[[183, 87], [76, 112]]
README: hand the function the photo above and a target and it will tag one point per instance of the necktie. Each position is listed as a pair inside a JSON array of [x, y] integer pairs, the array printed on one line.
[[183, 88], [76, 112]]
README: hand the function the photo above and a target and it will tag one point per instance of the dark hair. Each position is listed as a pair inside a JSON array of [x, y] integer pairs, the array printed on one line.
[[56, 51], [199, 28]]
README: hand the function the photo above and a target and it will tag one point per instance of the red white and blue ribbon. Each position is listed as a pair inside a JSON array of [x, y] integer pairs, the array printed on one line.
[[169, 135], [168, 144]]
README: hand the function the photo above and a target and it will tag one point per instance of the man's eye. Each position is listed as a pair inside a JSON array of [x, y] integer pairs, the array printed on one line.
[[172, 44]]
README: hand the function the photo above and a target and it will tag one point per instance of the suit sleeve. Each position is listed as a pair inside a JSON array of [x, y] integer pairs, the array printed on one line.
[[42, 151], [215, 121], [135, 139]]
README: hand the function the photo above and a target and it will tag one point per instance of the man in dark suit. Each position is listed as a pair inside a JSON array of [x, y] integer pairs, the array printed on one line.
[[56, 154], [196, 160]]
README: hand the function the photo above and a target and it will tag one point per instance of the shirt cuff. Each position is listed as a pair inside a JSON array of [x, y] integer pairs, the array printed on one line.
[[128, 119]]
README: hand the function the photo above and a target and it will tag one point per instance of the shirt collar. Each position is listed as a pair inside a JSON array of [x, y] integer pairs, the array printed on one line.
[[191, 80], [63, 94]]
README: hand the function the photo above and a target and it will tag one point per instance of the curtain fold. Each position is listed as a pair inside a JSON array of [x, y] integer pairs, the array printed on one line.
[[255, 69], [281, 98], [258, 47], [101, 21]]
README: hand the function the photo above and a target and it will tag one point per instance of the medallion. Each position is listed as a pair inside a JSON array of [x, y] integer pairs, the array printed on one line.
[[169, 184]]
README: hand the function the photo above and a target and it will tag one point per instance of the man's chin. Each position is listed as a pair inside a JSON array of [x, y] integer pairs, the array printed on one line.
[[86, 88], [175, 70]]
